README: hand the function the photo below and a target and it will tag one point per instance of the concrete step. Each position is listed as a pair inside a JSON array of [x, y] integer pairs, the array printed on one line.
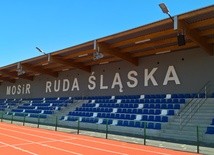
[[201, 118], [179, 136]]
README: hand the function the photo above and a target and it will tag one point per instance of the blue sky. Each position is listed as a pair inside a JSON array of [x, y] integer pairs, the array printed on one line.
[[56, 24]]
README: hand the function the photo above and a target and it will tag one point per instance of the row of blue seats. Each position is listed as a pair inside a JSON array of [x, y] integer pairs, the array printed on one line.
[[45, 104], [10, 104], [91, 97], [140, 111], [157, 118], [28, 115], [2, 109], [126, 105], [162, 106], [94, 109], [38, 107], [33, 111], [118, 105], [4, 106], [51, 101], [150, 125], [80, 113], [116, 116], [175, 100], [147, 96], [125, 123], [124, 110]]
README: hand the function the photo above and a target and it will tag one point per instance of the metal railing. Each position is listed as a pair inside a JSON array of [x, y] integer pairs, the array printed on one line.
[[190, 108]]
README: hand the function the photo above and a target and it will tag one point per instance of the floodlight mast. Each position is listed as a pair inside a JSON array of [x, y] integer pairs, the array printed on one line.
[[180, 36], [41, 51], [49, 56]]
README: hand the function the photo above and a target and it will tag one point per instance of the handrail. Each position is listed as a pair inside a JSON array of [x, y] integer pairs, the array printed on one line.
[[192, 106], [195, 97], [188, 117]]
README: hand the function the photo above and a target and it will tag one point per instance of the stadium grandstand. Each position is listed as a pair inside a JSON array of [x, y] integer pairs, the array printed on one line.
[[154, 78]]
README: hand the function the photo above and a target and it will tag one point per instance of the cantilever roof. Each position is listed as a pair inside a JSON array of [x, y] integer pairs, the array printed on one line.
[[127, 46]]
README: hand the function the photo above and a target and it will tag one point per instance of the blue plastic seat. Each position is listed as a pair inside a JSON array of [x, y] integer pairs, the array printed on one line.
[[170, 106], [210, 130], [169, 100], [151, 118], [119, 110], [145, 111], [139, 111], [182, 100], [127, 116], [133, 117], [171, 112], [157, 101], [152, 106], [163, 106], [117, 116], [120, 123], [157, 112], [157, 106], [175, 100], [164, 119], [146, 106], [158, 118], [157, 126], [129, 110], [144, 118], [138, 124], [177, 106], [150, 126], [151, 111], [125, 123], [122, 116], [123, 110], [131, 123], [112, 115]]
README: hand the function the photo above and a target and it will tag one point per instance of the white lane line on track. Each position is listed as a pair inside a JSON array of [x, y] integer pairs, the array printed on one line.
[[40, 144], [90, 147], [17, 148], [78, 138]]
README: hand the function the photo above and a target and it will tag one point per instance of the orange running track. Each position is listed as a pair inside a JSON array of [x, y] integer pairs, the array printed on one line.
[[19, 140]]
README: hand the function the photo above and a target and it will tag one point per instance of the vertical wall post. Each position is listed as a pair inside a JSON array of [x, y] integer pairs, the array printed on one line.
[[2, 115], [12, 119], [144, 133], [24, 120], [198, 141], [78, 126], [56, 124], [38, 121], [107, 129]]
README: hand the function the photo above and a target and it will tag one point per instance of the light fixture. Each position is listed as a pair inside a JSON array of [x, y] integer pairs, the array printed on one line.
[[66, 69], [180, 37], [49, 55], [19, 69], [82, 55], [97, 54], [105, 62], [165, 10], [163, 52], [142, 41]]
